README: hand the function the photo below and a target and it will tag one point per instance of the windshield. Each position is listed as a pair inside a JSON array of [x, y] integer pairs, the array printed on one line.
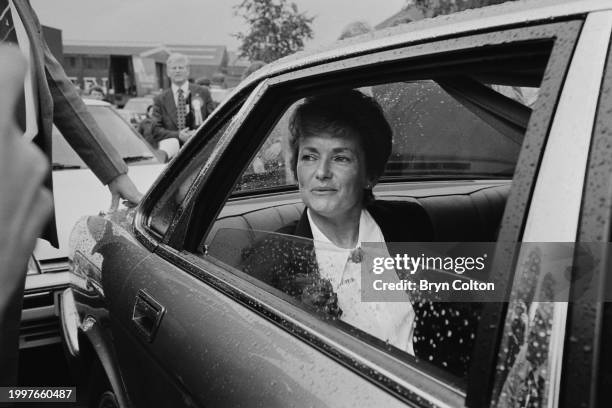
[[131, 148], [138, 105]]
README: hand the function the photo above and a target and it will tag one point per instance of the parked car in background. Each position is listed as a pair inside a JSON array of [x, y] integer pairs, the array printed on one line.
[[502, 133], [135, 110]]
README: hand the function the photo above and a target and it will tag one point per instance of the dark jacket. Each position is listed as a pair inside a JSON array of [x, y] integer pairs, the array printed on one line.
[[441, 335], [165, 112]]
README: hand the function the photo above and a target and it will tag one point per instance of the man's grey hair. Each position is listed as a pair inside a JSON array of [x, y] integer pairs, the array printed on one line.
[[177, 57]]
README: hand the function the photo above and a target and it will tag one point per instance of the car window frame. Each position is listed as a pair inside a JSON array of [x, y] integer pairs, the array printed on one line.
[[359, 357]]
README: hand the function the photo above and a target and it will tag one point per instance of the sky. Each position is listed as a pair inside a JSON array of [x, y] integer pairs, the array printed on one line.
[[209, 22]]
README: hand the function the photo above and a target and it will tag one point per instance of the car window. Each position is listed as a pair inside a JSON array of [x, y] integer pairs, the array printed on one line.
[[138, 105], [129, 145], [462, 133], [441, 129]]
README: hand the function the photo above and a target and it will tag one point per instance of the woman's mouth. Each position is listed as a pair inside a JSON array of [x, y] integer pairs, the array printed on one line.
[[323, 190]]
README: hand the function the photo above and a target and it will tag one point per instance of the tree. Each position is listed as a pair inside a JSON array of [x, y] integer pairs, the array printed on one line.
[[276, 29], [433, 8]]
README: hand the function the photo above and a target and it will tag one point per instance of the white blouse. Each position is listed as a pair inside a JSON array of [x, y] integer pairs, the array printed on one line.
[[392, 322]]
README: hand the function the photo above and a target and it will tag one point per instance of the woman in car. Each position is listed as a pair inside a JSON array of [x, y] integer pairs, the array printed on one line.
[[339, 145]]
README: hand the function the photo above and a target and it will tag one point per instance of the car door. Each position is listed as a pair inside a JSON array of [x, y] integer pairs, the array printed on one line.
[[190, 329]]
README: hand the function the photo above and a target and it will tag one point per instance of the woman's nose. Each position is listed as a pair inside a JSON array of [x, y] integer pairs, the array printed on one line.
[[323, 170]]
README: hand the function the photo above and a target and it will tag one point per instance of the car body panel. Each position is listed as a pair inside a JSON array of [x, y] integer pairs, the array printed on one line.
[[274, 377]]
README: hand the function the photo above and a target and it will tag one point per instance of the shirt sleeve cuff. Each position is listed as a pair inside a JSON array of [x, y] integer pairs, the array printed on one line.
[[170, 146]]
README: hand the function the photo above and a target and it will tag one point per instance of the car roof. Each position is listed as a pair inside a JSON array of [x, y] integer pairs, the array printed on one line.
[[95, 102], [511, 13]]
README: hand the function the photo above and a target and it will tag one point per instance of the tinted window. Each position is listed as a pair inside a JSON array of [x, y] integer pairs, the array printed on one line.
[[138, 105]]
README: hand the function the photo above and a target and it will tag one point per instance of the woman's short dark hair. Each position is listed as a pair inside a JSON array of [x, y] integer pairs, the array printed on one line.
[[346, 113]]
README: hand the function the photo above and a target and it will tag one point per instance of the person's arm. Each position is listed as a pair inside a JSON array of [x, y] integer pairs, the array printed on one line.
[[80, 130], [170, 148], [25, 206]]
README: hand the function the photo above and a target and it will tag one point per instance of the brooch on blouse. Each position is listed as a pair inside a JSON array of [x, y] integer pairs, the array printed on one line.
[[356, 255]]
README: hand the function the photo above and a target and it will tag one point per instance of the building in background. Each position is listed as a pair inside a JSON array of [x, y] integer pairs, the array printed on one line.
[[237, 65], [125, 69]]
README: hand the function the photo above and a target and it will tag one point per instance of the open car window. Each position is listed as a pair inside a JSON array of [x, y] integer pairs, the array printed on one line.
[[454, 127]]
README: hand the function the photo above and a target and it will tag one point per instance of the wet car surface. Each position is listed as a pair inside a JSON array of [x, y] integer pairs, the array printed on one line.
[[501, 134]]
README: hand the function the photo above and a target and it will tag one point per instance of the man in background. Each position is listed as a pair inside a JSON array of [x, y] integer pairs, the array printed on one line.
[[182, 108]]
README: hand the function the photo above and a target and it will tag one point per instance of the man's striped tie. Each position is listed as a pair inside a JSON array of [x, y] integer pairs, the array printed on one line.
[[181, 110]]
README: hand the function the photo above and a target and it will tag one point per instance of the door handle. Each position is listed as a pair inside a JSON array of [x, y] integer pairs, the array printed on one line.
[[147, 315]]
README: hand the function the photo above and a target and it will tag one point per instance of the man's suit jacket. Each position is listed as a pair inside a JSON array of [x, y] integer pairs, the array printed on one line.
[[165, 111]]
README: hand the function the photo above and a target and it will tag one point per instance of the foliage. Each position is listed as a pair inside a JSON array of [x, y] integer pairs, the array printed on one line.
[[433, 8], [276, 29]]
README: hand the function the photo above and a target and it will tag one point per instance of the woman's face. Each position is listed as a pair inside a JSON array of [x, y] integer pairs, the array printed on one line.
[[331, 174]]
